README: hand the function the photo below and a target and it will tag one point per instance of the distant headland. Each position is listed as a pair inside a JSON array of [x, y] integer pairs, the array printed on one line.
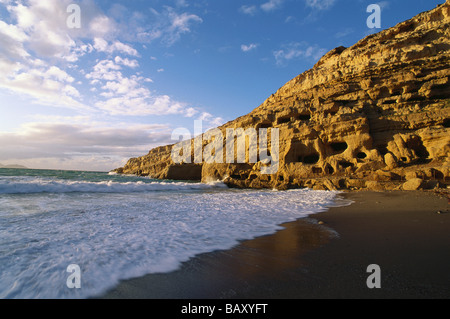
[[13, 166]]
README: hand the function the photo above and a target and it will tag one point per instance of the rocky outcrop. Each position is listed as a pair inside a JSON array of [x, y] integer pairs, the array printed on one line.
[[375, 115]]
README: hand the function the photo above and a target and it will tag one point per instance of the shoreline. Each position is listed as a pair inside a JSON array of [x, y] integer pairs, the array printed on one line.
[[400, 231]]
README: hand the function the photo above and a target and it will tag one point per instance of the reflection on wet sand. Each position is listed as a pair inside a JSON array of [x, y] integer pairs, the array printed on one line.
[[232, 273]]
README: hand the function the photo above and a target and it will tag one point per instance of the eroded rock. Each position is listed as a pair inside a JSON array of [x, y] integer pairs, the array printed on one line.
[[413, 184], [370, 116]]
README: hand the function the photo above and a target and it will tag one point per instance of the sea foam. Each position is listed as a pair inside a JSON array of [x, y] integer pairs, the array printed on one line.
[[115, 230], [42, 185]]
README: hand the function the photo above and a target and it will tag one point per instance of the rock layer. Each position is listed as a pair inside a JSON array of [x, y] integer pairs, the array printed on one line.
[[375, 115]]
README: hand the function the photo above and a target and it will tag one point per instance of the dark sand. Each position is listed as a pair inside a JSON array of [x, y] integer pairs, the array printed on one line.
[[400, 231]]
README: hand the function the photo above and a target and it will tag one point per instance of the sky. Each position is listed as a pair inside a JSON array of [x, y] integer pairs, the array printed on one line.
[[91, 95]]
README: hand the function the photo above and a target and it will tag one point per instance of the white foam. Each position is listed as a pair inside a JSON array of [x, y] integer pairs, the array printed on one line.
[[42, 185], [117, 235]]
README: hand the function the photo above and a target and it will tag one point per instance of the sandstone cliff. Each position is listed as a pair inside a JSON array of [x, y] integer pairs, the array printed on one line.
[[375, 115]]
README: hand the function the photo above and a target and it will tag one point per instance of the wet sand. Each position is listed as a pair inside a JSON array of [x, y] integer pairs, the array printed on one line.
[[399, 231]]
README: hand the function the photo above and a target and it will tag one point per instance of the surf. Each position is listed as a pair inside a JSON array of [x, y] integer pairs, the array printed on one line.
[[117, 227]]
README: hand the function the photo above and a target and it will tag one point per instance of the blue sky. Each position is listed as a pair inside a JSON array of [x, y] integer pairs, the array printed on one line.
[[89, 98]]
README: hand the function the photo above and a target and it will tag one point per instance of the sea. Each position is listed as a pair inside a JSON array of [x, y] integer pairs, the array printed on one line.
[[116, 227]]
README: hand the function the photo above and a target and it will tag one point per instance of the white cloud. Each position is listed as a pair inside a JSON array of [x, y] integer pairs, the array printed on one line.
[[77, 143], [105, 70], [289, 19], [37, 62], [101, 45], [320, 4], [210, 119], [25, 47], [13, 32], [182, 3], [59, 74], [249, 47], [124, 95], [102, 26], [124, 48], [127, 86], [190, 112], [384, 4], [48, 85], [271, 5], [296, 50], [268, 6], [179, 24], [126, 62], [167, 25], [11, 42], [250, 10], [139, 102], [44, 23]]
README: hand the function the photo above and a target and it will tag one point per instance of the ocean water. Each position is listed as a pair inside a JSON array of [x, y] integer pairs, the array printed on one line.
[[119, 227]]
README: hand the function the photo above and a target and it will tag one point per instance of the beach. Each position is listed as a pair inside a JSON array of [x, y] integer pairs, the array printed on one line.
[[324, 256], [115, 227]]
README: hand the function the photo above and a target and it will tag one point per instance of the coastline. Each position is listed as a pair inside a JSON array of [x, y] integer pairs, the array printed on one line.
[[399, 231]]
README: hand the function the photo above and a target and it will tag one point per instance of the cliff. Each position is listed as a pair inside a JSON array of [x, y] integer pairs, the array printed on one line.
[[375, 115]]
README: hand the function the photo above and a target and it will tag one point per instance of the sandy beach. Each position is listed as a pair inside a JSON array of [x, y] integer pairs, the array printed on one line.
[[324, 256]]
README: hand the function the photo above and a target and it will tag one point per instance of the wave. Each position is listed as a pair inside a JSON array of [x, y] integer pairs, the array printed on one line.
[[114, 238], [39, 185]]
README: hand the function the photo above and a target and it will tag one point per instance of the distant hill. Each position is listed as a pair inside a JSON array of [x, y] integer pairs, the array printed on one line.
[[13, 166]]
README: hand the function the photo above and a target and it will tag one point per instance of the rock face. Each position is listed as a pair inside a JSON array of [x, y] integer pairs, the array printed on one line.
[[368, 116]]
